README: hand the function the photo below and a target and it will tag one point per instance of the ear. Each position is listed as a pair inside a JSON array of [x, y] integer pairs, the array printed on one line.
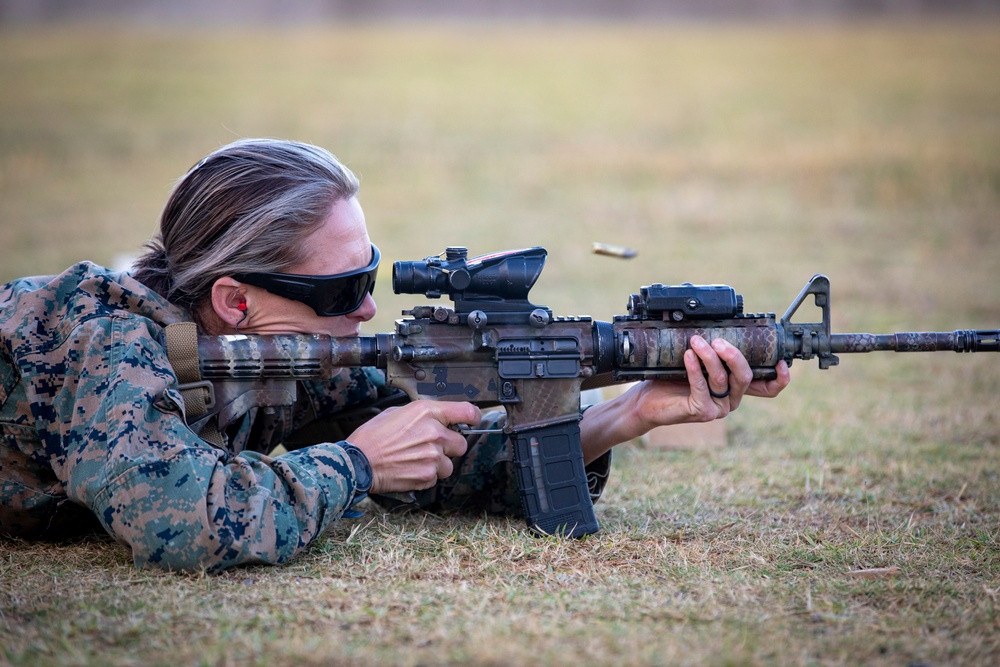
[[229, 301]]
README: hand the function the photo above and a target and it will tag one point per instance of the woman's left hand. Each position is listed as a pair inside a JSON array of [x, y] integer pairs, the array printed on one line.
[[718, 379]]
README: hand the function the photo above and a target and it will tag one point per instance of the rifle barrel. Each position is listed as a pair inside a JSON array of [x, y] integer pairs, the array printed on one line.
[[917, 341]]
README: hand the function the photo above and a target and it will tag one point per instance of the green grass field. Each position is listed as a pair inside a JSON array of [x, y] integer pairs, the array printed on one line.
[[754, 156]]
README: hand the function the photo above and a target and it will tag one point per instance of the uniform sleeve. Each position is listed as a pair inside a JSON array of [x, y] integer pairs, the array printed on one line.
[[334, 409], [352, 389], [175, 500]]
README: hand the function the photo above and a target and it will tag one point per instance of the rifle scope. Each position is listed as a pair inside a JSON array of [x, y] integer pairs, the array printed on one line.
[[501, 276]]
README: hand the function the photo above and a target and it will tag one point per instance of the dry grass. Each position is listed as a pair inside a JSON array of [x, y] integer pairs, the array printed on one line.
[[751, 155]]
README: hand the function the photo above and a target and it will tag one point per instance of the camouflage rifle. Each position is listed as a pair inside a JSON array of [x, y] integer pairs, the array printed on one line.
[[495, 348]]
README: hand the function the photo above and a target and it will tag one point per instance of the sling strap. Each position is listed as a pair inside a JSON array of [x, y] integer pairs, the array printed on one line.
[[198, 394]]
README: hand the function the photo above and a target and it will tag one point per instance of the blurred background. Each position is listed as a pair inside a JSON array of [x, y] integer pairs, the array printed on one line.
[[747, 143], [186, 11]]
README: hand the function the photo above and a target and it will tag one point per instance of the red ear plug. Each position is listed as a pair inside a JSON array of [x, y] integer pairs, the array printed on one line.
[[242, 307]]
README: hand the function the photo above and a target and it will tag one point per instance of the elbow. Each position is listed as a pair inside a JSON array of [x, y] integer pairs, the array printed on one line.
[[202, 515], [208, 548]]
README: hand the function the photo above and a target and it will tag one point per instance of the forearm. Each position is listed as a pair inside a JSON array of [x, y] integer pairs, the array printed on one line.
[[194, 510], [610, 423], [646, 405]]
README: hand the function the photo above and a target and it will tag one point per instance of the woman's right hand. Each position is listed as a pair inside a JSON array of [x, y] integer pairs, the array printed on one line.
[[410, 447]]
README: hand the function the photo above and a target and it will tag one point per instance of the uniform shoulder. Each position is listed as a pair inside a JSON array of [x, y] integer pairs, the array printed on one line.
[[42, 311]]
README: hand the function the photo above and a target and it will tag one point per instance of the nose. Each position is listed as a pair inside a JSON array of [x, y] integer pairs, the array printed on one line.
[[366, 311]]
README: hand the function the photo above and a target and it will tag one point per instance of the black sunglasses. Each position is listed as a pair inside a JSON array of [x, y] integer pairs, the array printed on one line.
[[338, 294]]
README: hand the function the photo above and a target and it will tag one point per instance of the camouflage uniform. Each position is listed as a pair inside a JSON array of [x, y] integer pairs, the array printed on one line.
[[92, 428]]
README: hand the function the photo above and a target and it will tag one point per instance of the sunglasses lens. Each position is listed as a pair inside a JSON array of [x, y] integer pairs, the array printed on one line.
[[346, 294]]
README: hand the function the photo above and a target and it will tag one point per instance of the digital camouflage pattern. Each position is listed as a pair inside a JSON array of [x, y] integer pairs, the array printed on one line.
[[93, 427], [92, 417]]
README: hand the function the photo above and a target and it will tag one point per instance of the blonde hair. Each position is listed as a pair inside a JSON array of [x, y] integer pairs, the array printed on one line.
[[245, 207]]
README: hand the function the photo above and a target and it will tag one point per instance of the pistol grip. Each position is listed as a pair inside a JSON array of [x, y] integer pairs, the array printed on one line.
[[553, 481]]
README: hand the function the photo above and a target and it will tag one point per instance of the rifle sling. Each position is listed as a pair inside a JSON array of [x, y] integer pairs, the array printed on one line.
[[198, 395]]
